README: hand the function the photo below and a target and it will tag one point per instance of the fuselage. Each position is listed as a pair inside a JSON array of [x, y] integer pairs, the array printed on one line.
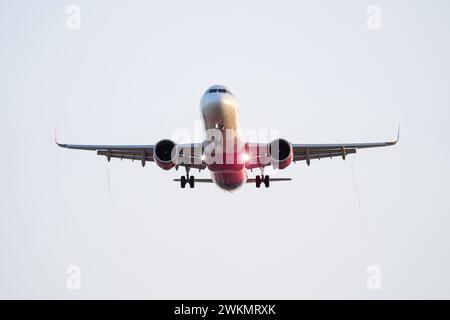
[[220, 113]]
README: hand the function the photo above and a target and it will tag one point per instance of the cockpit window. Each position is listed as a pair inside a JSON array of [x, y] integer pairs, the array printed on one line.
[[221, 90]]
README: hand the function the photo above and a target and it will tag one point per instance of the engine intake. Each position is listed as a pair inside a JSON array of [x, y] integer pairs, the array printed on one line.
[[281, 153], [163, 154]]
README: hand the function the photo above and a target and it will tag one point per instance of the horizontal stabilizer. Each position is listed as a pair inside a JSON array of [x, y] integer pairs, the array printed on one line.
[[197, 180], [271, 180]]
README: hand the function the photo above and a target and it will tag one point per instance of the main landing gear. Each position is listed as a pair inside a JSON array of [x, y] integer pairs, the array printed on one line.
[[262, 179], [187, 179]]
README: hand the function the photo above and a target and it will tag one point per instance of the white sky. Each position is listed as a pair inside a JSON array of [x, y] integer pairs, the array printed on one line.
[[135, 72]]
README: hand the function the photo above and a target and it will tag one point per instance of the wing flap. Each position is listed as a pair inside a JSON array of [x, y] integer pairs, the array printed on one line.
[[302, 154], [124, 155]]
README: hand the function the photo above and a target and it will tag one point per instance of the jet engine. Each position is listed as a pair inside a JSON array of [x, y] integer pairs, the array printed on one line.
[[281, 153], [163, 154]]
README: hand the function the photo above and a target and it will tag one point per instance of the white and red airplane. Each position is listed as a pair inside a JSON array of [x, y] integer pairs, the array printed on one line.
[[223, 152]]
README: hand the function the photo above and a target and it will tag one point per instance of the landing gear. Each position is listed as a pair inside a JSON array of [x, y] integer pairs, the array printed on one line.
[[262, 179], [266, 181], [187, 179], [258, 181]]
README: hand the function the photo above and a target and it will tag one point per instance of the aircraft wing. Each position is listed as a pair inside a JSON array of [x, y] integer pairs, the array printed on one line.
[[307, 152], [142, 153], [317, 151], [301, 152], [132, 152]]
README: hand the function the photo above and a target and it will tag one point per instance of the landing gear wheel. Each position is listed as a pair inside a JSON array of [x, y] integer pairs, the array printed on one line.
[[183, 182], [191, 182], [258, 181], [266, 181]]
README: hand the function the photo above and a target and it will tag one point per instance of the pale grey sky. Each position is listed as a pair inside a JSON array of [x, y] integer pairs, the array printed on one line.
[[135, 72]]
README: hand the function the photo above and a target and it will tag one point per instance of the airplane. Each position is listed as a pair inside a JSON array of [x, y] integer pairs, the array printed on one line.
[[224, 153]]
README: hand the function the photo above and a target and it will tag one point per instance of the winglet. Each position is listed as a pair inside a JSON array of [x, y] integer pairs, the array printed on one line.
[[391, 143], [62, 145]]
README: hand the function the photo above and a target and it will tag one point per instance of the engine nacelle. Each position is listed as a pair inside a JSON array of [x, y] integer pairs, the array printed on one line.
[[163, 154], [281, 153]]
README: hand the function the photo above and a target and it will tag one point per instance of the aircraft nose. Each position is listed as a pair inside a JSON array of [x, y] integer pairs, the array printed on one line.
[[217, 100], [218, 108]]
